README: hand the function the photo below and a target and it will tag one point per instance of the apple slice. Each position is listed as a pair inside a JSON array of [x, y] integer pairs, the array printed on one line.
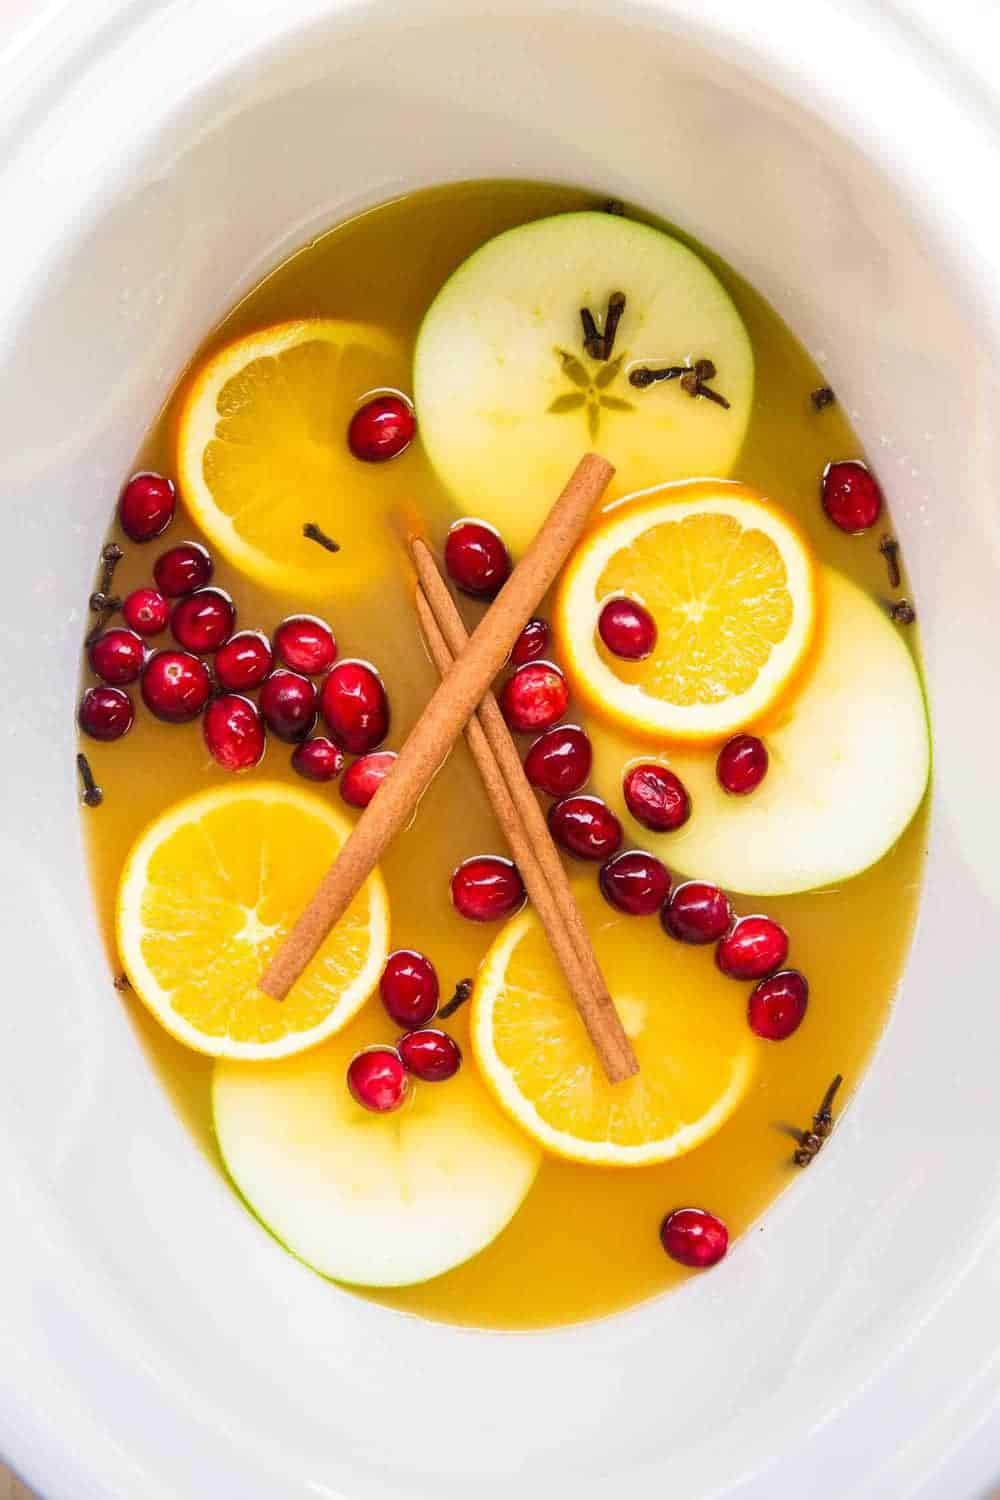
[[377, 1200], [849, 762], [507, 398]]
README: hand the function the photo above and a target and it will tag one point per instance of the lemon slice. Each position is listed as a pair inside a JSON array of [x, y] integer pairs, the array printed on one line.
[[262, 449], [686, 1022], [732, 587], [209, 891]]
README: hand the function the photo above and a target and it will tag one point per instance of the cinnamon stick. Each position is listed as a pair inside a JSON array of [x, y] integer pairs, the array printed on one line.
[[440, 724]]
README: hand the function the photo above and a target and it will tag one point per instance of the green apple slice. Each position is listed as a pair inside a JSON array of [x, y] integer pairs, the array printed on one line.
[[507, 399], [849, 763]]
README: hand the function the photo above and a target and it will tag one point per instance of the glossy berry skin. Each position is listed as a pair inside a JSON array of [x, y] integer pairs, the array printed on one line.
[[318, 759], [305, 644], [381, 429], [754, 948], [354, 704], [635, 883], [105, 713], [559, 760], [693, 1237], [244, 661], [288, 703], [487, 888], [532, 643], [409, 988], [377, 1079], [146, 507], [742, 764], [146, 612], [697, 913], [182, 569], [851, 495], [476, 559], [116, 656], [777, 1006], [656, 797], [364, 776], [234, 732], [534, 697], [203, 621], [627, 629], [585, 827], [175, 686], [430, 1055]]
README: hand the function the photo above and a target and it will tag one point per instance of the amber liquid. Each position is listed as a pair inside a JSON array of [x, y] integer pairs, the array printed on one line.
[[585, 1241]]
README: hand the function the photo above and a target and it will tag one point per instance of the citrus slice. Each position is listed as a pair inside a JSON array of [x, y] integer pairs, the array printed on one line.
[[686, 1022], [731, 586], [262, 449], [209, 891]]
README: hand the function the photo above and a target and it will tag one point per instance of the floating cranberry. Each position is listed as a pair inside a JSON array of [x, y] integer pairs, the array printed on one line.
[[305, 644], [234, 732], [186, 567], [532, 643], [146, 507], [586, 827], [105, 713], [243, 661], [851, 495], [635, 883], [203, 621], [288, 703], [656, 797], [486, 888], [117, 656], [627, 629], [175, 686], [742, 764], [753, 948], [378, 1080], [363, 777], [355, 706], [777, 1006], [477, 559], [697, 913], [559, 760], [381, 429], [694, 1237], [432, 1056], [318, 759], [409, 987], [146, 612], [534, 697]]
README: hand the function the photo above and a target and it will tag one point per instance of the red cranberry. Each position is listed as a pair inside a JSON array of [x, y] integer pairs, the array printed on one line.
[[486, 888], [852, 496], [627, 629], [532, 643], [233, 732], [355, 707], [186, 567], [175, 686], [105, 713], [586, 827], [559, 760], [697, 913], [534, 697], [203, 621], [755, 947], [243, 661], [318, 759], [116, 656], [363, 777], [778, 1005], [635, 883], [288, 703], [430, 1055], [146, 612], [694, 1237], [477, 559], [305, 644], [409, 987], [742, 764], [656, 798], [378, 1080], [381, 429], [146, 507]]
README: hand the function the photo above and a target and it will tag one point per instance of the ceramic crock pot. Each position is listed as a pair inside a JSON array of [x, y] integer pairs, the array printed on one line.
[[157, 157]]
